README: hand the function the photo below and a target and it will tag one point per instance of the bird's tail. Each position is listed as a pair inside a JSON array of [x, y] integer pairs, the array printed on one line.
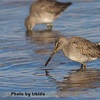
[[65, 5], [62, 6]]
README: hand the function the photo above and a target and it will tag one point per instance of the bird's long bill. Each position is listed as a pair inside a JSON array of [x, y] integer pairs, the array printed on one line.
[[53, 53]]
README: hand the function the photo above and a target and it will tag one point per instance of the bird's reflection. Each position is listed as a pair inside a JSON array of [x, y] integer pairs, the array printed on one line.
[[42, 36], [76, 82], [43, 39]]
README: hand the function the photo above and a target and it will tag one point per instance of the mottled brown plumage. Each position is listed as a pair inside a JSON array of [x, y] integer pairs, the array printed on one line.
[[49, 6], [85, 47], [98, 45]]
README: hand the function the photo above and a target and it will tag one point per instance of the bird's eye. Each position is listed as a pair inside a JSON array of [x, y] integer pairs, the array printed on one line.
[[58, 43]]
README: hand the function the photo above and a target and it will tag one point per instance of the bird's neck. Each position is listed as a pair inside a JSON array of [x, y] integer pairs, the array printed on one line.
[[65, 49]]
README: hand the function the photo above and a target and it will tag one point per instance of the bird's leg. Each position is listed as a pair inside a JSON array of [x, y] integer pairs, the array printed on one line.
[[83, 66], [49, 26]]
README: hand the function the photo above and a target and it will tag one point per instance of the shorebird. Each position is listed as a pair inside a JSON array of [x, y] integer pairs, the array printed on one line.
[[44, 12], [77, 49]]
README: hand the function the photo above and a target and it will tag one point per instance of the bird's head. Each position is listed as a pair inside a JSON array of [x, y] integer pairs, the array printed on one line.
[[29, 22], [59, 45]]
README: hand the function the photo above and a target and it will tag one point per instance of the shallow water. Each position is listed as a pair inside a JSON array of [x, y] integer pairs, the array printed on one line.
[[23, 54]]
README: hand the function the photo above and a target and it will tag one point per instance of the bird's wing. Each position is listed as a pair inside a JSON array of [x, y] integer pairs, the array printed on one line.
[[55, 7], [50, 6], [86, 47]]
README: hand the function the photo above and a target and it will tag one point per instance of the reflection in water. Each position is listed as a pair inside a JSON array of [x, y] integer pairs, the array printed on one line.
[[42, 38], [76, 82]]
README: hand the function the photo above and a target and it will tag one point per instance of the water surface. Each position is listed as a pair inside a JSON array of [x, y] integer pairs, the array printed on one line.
[[23, 54]]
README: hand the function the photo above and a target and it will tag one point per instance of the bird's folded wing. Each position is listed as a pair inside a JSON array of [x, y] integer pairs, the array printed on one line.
[[86, 48], [49, 6]]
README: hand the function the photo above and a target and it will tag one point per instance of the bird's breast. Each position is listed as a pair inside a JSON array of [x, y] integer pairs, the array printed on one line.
[[46, 17], [80, 58]]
